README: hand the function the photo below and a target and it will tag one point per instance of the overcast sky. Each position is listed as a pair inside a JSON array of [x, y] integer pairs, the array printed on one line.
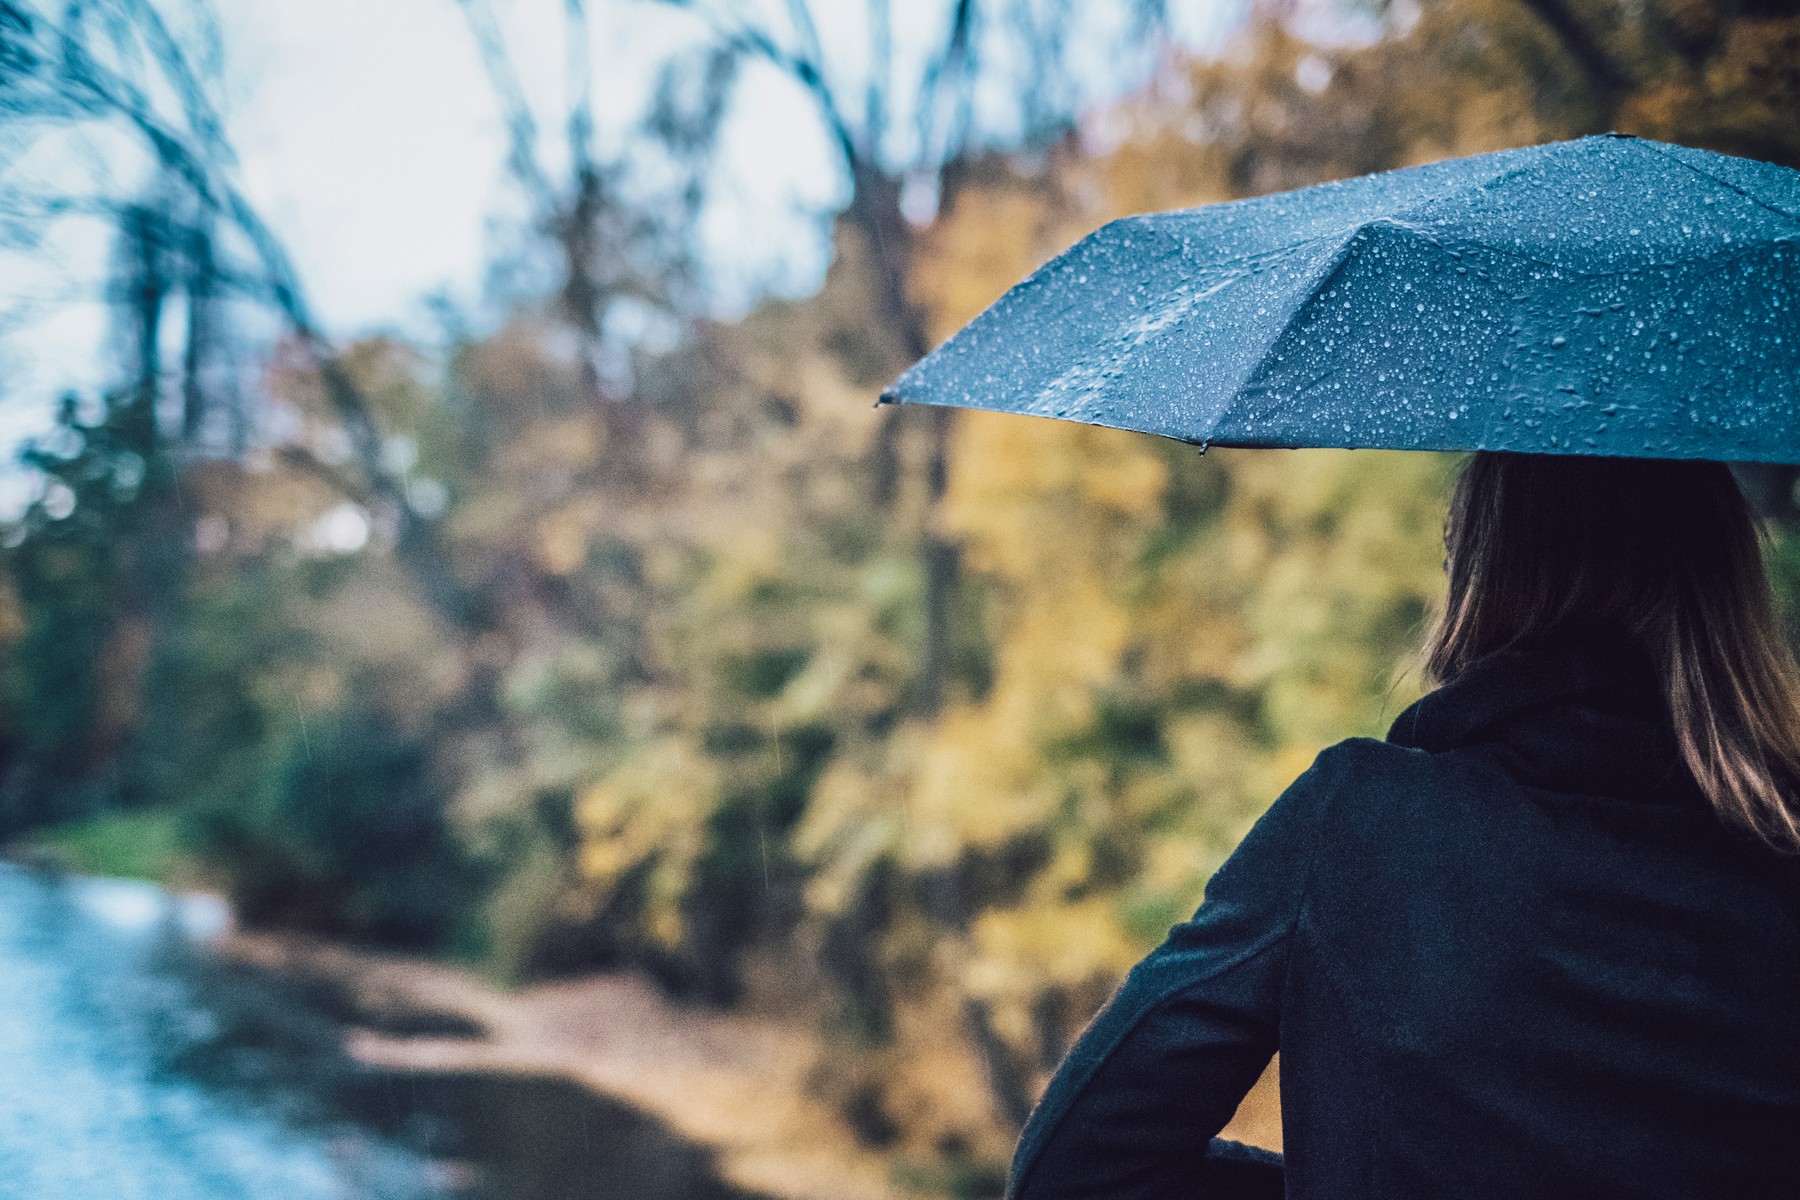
[[370, 140]]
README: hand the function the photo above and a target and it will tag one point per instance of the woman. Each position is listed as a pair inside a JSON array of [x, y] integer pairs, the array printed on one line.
[[1542, 941]]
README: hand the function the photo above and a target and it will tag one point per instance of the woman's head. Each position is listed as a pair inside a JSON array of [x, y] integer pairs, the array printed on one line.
[[1540, 545]]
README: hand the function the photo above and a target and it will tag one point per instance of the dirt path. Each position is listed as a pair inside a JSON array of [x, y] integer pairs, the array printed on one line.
[[733, 1084]]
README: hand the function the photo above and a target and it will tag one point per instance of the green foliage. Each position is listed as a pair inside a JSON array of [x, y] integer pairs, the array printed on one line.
[[141, 844], [88, 567], [342, 833]]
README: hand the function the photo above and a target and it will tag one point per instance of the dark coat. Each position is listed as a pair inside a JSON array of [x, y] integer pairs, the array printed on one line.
[[1508, 952]]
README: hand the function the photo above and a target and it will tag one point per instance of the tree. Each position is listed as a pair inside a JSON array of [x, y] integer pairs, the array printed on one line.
[[907, 143], [611, 250], [116, 69], [116, 607]]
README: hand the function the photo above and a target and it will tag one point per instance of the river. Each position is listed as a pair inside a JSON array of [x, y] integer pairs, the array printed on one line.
[[133, 1063]]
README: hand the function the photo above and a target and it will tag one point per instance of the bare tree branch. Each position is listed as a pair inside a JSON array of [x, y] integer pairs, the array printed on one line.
[[881, 65], [952, 67], [515, 110], [202, 116], [758, 43], [579, 61], [811, 48], [115, 61]]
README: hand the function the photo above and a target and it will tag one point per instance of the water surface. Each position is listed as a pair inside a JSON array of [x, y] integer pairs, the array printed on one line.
[[133, 1063]]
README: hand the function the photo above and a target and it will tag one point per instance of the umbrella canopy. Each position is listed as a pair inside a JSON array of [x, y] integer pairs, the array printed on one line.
[[1604, 296]]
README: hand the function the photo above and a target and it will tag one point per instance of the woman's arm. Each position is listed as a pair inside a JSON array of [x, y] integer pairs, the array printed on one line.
[[1132, 1111]]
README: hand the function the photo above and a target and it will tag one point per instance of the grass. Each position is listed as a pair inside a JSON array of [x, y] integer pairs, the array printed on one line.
[[127, 845]]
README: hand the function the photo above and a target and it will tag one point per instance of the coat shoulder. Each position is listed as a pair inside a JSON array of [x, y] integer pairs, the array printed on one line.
[[1372, 783], [1370, 764]]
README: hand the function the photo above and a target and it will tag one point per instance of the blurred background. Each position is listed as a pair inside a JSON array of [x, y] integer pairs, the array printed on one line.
[[487, 705]]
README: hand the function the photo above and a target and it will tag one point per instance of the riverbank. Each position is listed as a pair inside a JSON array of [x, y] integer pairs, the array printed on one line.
[[733, 1084], [124, 1080], [583, 1081]]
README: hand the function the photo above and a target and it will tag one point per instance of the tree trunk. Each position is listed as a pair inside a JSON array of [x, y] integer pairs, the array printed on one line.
[[890, 244]]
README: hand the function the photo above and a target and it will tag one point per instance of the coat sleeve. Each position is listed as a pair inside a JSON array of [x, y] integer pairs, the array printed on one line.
[[1132, 1111]]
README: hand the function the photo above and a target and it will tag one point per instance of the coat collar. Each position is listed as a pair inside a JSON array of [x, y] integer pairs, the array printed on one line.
[[1581, 713]]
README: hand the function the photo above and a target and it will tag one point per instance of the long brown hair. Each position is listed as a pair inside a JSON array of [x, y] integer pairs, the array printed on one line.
[[1667, 552]]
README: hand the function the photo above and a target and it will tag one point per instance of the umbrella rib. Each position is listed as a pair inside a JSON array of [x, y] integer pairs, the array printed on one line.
[[1519, 255], [1399, 218], [1399, 215], [1147, 220], [1333, 267], [1477, 185], [1724, 183]]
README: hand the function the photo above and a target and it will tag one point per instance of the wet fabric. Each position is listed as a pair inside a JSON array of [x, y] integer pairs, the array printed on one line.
[[1508, 952], [1609, 295]]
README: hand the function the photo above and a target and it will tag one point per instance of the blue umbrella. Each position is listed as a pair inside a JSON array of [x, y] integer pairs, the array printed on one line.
[[1609, 295]]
